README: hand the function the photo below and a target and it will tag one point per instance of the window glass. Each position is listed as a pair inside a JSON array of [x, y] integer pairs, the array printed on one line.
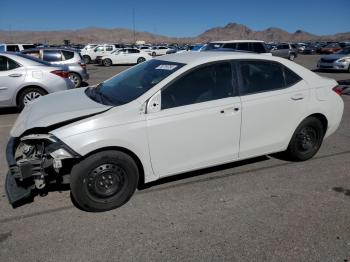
[[28, 46], [258, 48], [109, 48], [11, 64], [290, 77], [260, 76], [99, 49], [68, 54], [294, 46], [12, 48], [3, 63], [230, 45], [243, 46], [204, 84], [52, 56], [2, 48], [283, 46]]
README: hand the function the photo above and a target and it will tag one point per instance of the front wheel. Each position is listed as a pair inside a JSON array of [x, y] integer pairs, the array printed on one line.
[[104, 181], [306, 140], [291, 57]]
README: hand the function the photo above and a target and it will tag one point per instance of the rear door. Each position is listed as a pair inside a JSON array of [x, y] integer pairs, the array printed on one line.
[[199, 121], [274, 100], [12, 76]]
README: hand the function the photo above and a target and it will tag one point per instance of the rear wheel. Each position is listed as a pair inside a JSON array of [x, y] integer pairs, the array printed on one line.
[[104, 181], [28, 95], [87, 59], [107, 62], [75, 78], [306, 140], [291, 57]]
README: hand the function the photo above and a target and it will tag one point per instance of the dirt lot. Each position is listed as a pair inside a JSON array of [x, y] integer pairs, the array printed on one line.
[[263, 209]]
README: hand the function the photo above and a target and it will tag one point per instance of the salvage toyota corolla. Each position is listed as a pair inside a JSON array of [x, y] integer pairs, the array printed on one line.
[[167, 116]]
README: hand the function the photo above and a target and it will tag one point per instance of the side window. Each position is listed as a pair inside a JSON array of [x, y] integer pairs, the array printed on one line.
[[283, 46], [28, 46], [204, 84], [230, 45], [109, 48], [12, 48], [2, 48], [7, 64], [3, 63], [260, 76], [243, 46], [258, 48], [99, 49], [290, 77], [52, 56], [67, 54]]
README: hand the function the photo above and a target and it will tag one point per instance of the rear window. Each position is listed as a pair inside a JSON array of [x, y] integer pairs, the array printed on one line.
[[52, 55], [12, 48], [258, 48], [67, 54]]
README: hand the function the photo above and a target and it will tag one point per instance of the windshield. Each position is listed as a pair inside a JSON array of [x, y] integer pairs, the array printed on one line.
[[211, 46], [345, 51], [197, 47], [34, 59], [130, 84]]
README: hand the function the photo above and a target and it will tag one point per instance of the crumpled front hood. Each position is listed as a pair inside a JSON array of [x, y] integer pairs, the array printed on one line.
[[56, 108]]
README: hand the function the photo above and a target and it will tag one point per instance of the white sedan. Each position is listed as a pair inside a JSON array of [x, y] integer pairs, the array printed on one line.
[[125, 56], [167, 116]]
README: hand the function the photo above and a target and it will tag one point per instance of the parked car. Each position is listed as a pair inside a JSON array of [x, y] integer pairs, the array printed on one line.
[[309, 50], [70, 58], [90, 55], [285, 50], [124, 56], [330, 49], [15, 47], [168, 116], [253, 46], [24, 78], [158, 50], [337, 61]]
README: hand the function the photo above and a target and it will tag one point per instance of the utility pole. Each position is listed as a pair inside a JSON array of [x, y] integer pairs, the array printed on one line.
[[133, 24]]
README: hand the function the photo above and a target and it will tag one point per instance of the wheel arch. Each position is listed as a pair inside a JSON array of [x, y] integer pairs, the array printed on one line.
[[323, 119], [128, 152]]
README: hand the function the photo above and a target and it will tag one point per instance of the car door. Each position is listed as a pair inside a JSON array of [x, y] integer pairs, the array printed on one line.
[[281, 50], [274, 100], [198, 124], [121, 57], [12, 76]]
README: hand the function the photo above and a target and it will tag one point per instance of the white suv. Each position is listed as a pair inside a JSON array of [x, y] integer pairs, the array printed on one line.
[[167, 116], [15, 47], [90, 55]]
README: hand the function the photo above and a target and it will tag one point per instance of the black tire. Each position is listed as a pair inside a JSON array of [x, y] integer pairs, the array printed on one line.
[[104, 181], [24, 96], [141, 60], [291, 57], [306, 140], [107, 62], [87, 59], [76, 79], [153, 53]]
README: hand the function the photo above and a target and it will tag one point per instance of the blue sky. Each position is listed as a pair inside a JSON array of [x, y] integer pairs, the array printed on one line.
[[176, 18]]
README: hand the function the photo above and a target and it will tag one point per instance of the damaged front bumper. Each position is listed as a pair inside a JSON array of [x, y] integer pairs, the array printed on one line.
[[28, 174]]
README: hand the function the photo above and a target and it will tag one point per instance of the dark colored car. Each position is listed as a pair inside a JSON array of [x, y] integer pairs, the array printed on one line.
[[330, 49]]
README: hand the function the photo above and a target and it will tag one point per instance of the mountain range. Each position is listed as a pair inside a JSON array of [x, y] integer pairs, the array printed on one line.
[[231, 31]]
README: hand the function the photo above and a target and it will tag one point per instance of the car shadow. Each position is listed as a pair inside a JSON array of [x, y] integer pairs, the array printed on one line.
[[203, 171], [343, 190], [9, 111]]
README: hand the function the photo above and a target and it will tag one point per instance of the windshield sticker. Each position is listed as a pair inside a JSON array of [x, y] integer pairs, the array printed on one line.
[[166, 67]]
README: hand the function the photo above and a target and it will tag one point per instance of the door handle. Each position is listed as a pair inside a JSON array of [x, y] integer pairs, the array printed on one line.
[[297, 97], [15, 75]]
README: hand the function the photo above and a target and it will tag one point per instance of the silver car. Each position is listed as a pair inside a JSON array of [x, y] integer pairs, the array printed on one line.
[[285, 50], [63, 56], [24, 78], [337, 61]]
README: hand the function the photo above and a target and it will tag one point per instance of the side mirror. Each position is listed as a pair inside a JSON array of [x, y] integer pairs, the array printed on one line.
[[154, 103]]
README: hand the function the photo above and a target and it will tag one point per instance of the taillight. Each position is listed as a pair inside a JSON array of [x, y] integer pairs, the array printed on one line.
[[83, 65], [338, 90], [60, 73]]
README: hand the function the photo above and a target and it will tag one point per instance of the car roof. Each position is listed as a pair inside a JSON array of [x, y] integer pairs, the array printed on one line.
[[50, 48], [237, 41]]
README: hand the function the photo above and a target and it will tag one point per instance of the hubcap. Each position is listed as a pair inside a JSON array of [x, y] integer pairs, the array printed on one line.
[[106, 180], [30, 97], [307, 139], [74, 79]]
